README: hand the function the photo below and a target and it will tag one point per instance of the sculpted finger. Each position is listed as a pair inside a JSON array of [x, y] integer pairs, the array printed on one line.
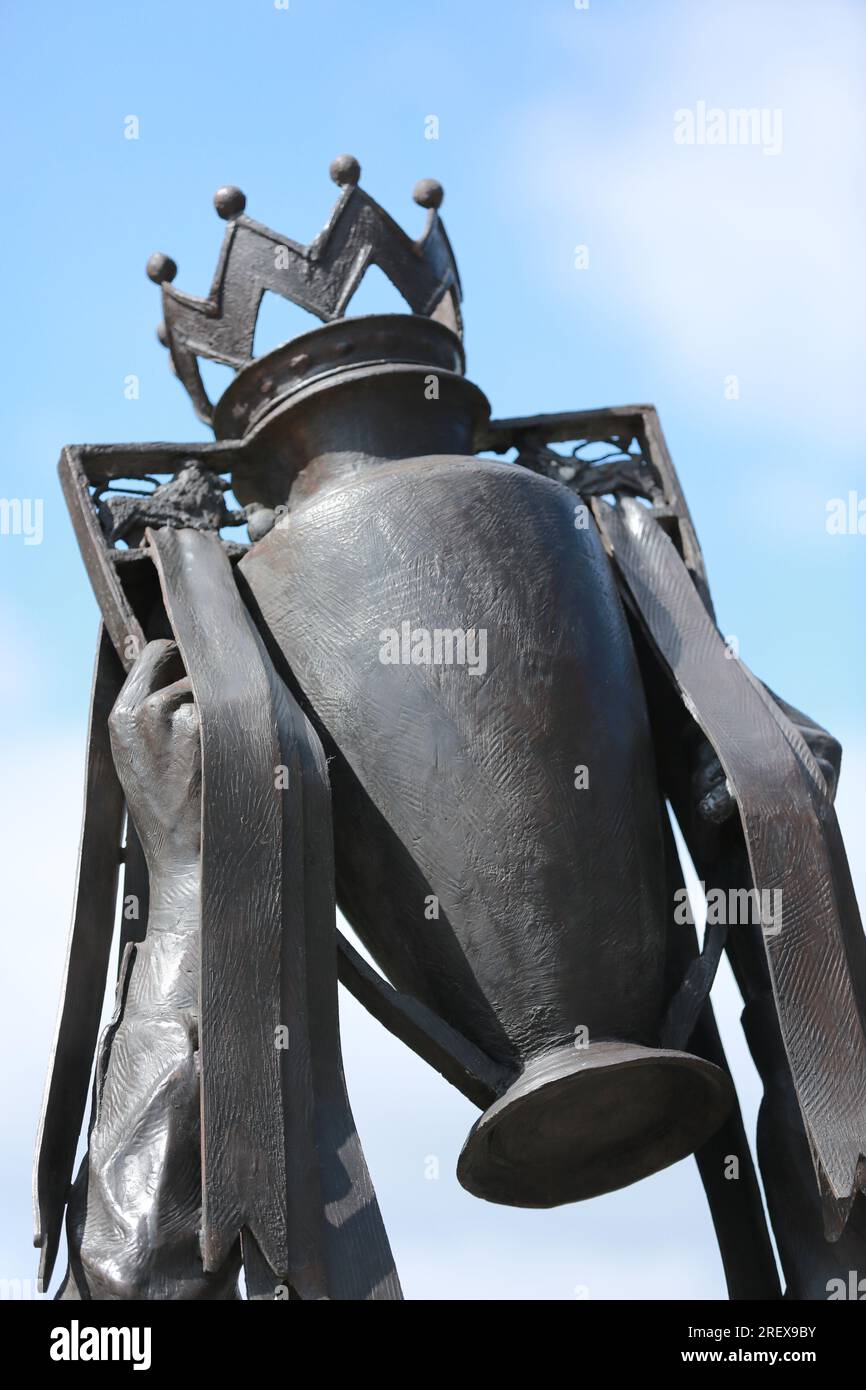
[[158, 665], [707, 777], [828, 772], [718, 804], [168, 698], [706, 755]]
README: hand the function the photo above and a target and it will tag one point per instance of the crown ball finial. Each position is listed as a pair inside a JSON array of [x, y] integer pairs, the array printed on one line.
[[345, 169], [161, 268], [229, 202], [428, 193]]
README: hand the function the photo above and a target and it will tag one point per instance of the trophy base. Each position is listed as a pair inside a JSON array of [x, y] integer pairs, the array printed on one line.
[[579, 1122]]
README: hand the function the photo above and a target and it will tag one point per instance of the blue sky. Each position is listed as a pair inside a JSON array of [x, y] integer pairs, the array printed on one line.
[[706, 262]]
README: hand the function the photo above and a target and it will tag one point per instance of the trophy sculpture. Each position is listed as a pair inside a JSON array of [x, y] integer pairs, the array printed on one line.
[[449, 684]]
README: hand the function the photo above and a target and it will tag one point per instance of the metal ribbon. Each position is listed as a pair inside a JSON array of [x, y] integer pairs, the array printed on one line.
[[86, 968], [281, 1161], [817, 961]]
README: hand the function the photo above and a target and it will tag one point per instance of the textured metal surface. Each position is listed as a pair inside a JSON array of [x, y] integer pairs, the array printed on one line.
[[244, 1176], [581, 1122], [630, 428], [784, 806], [194, 497], [85, 971], [736, 1208], [441, 1047], [551, 909], [493, 822], [375, 340], [278, 1141], [555, 902], [121, 461], [321, 277]]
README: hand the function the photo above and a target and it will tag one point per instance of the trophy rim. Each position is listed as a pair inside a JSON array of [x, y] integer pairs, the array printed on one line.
[[580, 1122]]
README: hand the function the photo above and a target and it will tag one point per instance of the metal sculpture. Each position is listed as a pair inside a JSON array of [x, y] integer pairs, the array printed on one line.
[[451, 694]]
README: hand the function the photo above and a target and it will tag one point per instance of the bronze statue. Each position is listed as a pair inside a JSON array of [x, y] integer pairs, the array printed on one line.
[[451, 694]]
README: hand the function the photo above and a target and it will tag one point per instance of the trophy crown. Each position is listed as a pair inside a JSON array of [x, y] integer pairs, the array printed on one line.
[[321, 277]]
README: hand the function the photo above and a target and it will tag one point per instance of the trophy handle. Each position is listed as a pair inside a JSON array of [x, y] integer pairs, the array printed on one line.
[[622, 427], [113, 576], [112, 572]]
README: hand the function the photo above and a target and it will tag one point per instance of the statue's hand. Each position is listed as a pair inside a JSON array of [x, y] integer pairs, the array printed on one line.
[[710, 788], [155, 740]]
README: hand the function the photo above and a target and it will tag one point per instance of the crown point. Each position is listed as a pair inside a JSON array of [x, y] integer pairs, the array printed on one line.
[[345, 169], [161, 268], [428, 193], [229, 202]]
